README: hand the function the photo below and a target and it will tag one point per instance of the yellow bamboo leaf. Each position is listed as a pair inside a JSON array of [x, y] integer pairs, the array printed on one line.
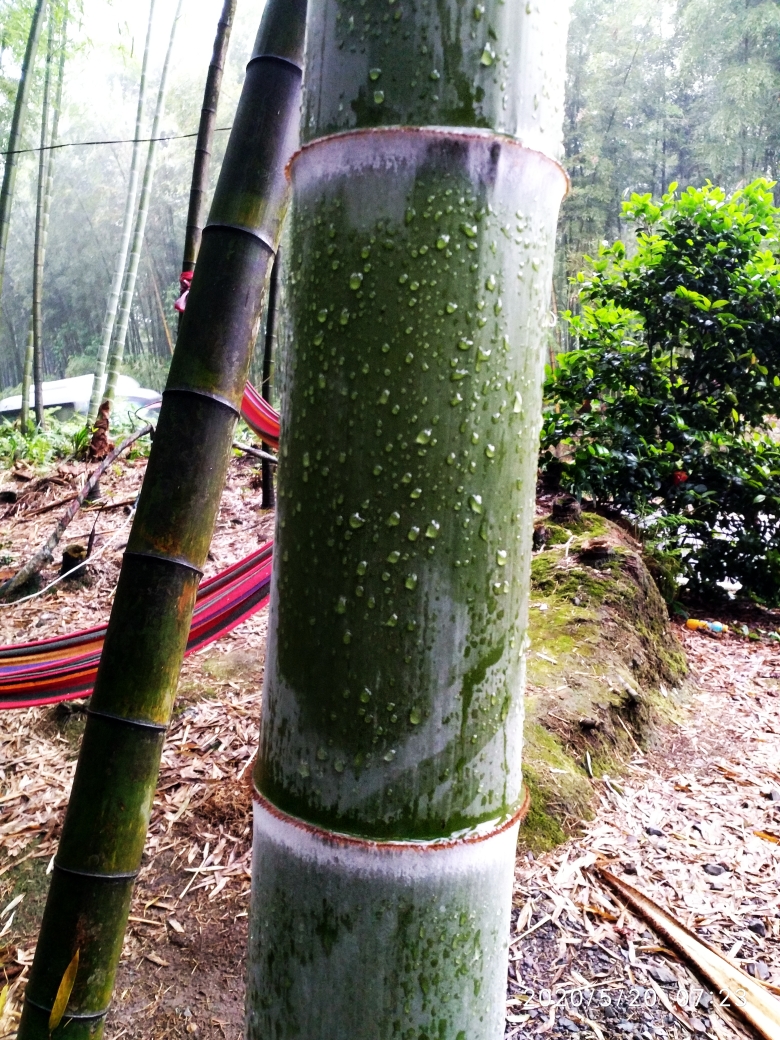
[[63, 993], [767, 836], [3, 998]]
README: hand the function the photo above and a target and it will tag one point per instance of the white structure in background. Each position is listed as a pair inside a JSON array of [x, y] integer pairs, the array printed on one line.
[[70, 396]]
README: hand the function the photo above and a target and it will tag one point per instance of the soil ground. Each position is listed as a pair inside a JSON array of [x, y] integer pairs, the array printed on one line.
[[705, 793]]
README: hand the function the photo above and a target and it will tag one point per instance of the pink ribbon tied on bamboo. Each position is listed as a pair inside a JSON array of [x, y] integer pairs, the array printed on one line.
[[185, 281]]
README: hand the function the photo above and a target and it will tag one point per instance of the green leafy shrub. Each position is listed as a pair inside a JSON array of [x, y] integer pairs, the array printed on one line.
[[60, 440], [57, 441], [665, 411]]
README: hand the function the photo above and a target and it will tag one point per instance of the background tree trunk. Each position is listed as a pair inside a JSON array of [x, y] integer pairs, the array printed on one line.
[[269, 499], [17, 129], [388, 779], [27, 373], [208, 116], [128, 291], [39, 248], [127, 228], [108, 813]]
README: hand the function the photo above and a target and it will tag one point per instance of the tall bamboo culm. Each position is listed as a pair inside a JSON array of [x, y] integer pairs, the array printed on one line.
[[17, 129], [105, 825], [43, 213], [268, 500], [128, 223], [128, 289], [39, 248], [388, 783], [27, 373], [204, 143]]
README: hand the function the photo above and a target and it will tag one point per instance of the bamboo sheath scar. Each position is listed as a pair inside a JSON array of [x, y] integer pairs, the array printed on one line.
[[388, 780], [105, 826]]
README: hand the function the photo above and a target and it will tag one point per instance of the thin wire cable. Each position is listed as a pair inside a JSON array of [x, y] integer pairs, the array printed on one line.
[[124, 140]]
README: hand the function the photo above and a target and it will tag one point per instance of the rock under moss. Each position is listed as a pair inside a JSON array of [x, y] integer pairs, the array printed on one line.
[[604, 670]]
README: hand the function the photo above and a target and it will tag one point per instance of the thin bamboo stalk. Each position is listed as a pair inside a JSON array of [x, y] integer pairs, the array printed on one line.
[[268, 500], [39, 248], [128, 289], [160, 308], [16, 361], [388, 779], [27, 371], [105, 826], [127, 228], [43, 212], [205, 139], [17, 129]]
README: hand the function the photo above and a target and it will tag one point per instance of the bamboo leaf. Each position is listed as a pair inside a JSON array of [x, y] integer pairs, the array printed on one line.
[[63, 993], [3, 999], [767, 836], [747, 998]]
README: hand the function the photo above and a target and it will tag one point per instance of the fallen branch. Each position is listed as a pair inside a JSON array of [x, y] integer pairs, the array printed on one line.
[[114, 503], [746, 997], [46, 551], [48, 508], [255, 451]]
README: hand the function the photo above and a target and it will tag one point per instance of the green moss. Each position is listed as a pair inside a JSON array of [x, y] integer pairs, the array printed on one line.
[[558, 789], [603, 661], [590, 524], [540, 831]]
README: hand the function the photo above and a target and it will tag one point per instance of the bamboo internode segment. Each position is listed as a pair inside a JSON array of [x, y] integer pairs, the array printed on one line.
[[379, 919], [108, 813], [425, 203], [392, 706], [496, 64], [208, 116]]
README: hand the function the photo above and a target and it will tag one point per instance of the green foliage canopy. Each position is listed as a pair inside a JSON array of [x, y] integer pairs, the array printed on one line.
[[664, 412]]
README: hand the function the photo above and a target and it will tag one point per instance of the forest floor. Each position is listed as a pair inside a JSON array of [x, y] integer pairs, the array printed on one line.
[[694, 822]]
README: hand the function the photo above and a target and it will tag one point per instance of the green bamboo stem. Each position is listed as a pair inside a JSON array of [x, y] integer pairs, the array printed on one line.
[[388, 779], [128, 289], [17, 129], [268, 500], [203, 145], [39, 248], [105, 826], [127, 228], [43, 212], [24, 413]]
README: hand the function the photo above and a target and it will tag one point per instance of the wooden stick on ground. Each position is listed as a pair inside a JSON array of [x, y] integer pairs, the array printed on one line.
[[255, 451], [45, 553], [748, 998]]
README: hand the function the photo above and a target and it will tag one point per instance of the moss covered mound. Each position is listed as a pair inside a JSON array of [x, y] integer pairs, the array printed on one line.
[[604, 668]]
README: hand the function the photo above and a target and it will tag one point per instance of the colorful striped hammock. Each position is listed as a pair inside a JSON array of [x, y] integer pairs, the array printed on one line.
[[63, 668], [258, 414]]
